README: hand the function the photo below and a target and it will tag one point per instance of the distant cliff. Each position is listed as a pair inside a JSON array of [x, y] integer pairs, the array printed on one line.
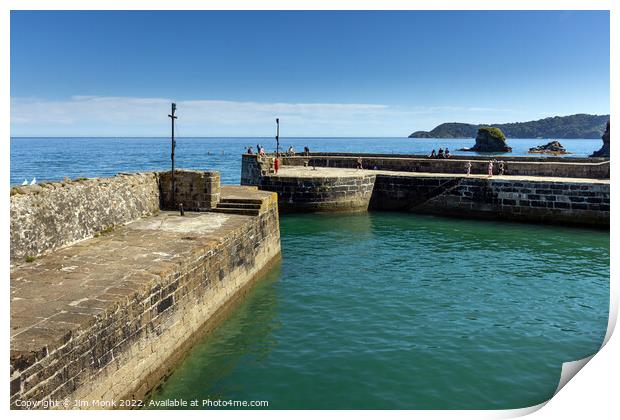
[[578, 126]]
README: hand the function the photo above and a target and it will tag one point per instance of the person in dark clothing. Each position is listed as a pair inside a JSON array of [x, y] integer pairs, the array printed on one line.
[[250, 151], [447, 153], [359, 163], [432, 155], [440, 153]]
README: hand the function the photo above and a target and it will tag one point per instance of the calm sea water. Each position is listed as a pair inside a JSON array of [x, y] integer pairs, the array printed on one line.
[[54, 158], [390, 310], [378, 310]]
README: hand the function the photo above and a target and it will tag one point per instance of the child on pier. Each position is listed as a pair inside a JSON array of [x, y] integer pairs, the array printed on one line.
[[276, 164], [491, 168], [468, 168]]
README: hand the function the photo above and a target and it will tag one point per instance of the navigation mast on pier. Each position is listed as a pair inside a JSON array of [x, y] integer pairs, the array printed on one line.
[[172, 146], [277, 136]]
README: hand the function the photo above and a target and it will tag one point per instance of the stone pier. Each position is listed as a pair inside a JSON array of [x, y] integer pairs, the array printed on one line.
[[101, 312], [574, 197]]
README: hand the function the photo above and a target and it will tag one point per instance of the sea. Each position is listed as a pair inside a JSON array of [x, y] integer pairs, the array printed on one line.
[[378, 310], [53, 158]]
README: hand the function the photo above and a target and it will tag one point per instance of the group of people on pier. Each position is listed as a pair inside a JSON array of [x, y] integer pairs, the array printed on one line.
[[441, 154], [260, 150]]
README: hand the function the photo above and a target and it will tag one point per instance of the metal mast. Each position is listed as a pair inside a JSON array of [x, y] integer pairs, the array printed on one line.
[[277, 136], [172, 146]]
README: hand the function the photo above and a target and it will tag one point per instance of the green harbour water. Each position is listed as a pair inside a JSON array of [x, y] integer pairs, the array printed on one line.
[[404, 311]]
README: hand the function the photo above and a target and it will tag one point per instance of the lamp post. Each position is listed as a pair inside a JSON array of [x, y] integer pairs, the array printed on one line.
[[173, 143]]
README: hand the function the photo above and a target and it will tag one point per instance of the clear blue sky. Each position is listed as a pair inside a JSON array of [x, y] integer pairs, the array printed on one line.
[[323, 73]]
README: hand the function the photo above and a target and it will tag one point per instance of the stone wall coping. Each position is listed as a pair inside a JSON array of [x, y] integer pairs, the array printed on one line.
[[524, 159], [322, 173]]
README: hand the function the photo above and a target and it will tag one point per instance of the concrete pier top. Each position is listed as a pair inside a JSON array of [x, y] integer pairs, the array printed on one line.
[[66, 290], [322, 172], [64, 293]]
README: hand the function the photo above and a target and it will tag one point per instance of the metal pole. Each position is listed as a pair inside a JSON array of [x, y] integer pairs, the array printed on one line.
[[172, 146], [278, 137]]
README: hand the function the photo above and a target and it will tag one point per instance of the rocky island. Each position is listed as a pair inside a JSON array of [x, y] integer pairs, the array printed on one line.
[[604, 151], [554, 147], [489, 139]]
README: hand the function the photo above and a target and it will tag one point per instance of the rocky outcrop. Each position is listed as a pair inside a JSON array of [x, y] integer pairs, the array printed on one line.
[[604, 151], [552, 148], [490, 139]]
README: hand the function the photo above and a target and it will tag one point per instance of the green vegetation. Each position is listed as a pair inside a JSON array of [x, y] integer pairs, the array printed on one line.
[[30, 258], [493, 132], [107, 230], [578, 126]]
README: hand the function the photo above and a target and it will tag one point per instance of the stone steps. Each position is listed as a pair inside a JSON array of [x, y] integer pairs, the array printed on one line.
[[249, 206], [241, 201], [247, 212], [224, 205]]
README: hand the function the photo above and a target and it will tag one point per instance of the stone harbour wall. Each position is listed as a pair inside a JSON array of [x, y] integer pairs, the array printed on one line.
[[582, 168], [578, 199], [575, 203], [320, 193], [196, 190], [129, 341], [48, 216]]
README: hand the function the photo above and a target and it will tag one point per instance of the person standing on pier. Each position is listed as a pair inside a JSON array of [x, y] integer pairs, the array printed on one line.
[[468, 168], [501, 167], [359, 163], [276, 164], [490, 168]]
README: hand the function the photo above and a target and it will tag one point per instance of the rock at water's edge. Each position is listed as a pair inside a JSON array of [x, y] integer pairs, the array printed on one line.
[[604, 151], [553, 147], [490, 139]]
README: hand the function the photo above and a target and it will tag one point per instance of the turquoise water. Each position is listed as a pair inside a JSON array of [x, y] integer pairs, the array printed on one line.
[[54, 158], [390, 310]]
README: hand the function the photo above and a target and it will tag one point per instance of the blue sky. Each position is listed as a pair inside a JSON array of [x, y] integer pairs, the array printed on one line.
[[346, 73]]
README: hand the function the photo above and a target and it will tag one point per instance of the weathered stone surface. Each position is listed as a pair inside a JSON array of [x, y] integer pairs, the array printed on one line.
[[605, 150], [307, 190], [48, 216], [572, 201], [527, 166], [553, 148], [106, 318], [490, 139], [554, 200], [196, 190]]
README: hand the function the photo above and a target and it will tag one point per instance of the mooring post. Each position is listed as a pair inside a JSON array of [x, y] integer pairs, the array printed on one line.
[[172, 146]]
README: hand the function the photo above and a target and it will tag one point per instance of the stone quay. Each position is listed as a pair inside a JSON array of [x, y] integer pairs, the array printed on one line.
[[111, 285], [539, 190]]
